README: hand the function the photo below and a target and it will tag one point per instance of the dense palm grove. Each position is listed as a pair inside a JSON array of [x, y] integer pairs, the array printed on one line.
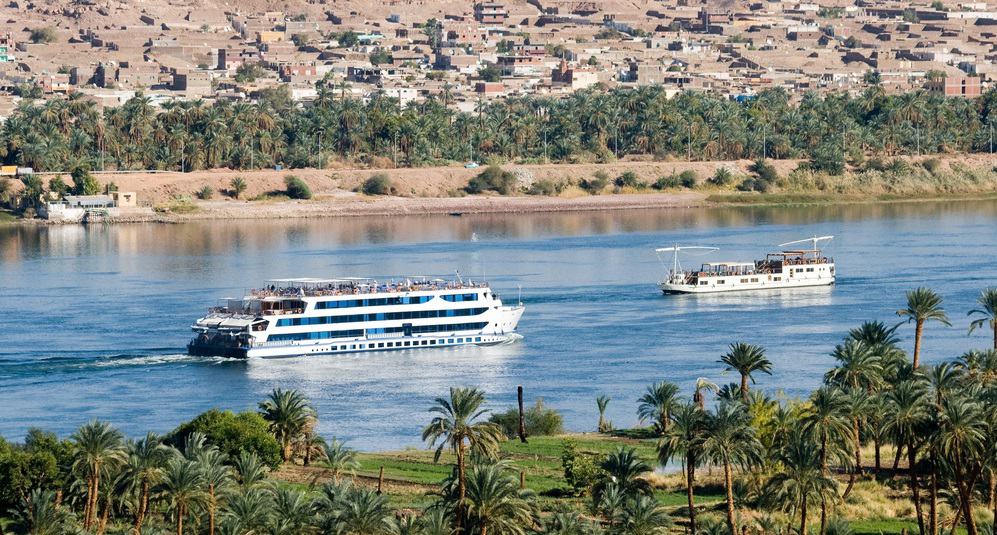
[[784, 466], [591, 125]]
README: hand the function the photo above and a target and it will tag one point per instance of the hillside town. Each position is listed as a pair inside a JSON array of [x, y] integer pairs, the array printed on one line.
[[463, 53]]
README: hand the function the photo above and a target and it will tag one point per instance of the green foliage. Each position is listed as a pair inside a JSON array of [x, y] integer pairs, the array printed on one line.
[[828, 158], [58, 186], [546, 187], [688, 178], [932, 165], [248, 72], [297, 188], [380, 57], [538, 419], [493, 178], [666, 182], [490, 73], [33, 190], [596, 184], [346, 39], [43, 35], [581, 469], [299, 40], [872, 78], [232, 433], [33, 465], [237, 187], [205, 193], [629, 179], [723, 177], [84, 183], [377, 184]]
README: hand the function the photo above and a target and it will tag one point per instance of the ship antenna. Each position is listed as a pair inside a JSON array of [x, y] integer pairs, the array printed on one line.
[[460, 280]]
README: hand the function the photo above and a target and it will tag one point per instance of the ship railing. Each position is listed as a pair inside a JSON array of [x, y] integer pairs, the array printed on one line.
[[364, 290], [215, 314]]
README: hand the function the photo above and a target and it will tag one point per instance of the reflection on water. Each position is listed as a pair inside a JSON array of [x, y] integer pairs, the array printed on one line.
[[95, 319]]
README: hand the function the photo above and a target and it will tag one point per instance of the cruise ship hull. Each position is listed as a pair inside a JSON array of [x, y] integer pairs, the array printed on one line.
[[676, 289]]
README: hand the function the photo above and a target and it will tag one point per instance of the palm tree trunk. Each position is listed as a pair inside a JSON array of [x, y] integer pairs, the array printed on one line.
[[180, 520], [803, 517], [212, 505], [729, 483], [86, 507], [461, 489], [858, 459], [876, 446], [995, 335], [914, 490], [690, 481], [933, 497], [143, 507], [918, 330], [896, 459], [744, 387], [103, 518]]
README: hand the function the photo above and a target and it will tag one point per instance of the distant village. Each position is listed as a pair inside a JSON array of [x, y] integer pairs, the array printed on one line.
[[469, 52]]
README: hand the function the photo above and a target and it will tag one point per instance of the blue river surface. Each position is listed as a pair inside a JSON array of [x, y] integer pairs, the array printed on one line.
[[94, 320]]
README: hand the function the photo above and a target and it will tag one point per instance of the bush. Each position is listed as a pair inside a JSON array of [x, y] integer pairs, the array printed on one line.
[[754, 184], [722, 177], [875, 164], [629, 179], [379, 184], [231, 433], [237, 187], [43, 35], [897, 167], [205, 193], [581, 470], [688, 178], [493, 178], [764, 171], [665, 182], [58, 186], [829, 158], [596, 184], [34, 464], [932, 165], [296, 188], [546, 187], [539, 421], [84, 183]]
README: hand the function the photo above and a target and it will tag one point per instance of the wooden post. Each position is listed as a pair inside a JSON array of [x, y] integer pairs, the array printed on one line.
[[522, 480], [380, 480], [522, 422]]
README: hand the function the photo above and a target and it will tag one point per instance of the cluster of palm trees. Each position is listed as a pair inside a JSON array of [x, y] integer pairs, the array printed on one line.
[[62, 135], [940, 419]]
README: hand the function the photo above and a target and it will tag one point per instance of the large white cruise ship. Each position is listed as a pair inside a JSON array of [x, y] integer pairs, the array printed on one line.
[[793, 268], [291, 317]]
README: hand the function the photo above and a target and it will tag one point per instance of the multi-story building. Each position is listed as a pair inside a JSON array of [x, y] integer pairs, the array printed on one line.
[[6, 48], [490, 13]]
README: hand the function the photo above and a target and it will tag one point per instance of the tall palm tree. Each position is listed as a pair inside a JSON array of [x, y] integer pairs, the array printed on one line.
[[97, 449], [703, 385], [923, 304], [459, 425], [183, 489], [962, 435], [218, 478], [684, 439], [288, 412], [907, 413], [826, 420], [859, 366], [144, 470], [250, 472], [624, 470], [601, 403], [746, 359], [657, 403], [731, 441], [801, 482], [495, 502], [988, 309]]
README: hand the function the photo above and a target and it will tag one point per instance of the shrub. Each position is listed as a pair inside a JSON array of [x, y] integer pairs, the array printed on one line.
[[829, 158], [493, 178], [237, 186], [58, 186], [628, 179], [764, 170], [875, 164], [539, 421], [379, 184], [206, 192], [665, 182], [688, 178], [546, 187], [84, 183], [722, 177], [43, 35], [897, 167], [581, 470], [932, 165], [596, 184], [297, 188], [754, 184], [231, 433]]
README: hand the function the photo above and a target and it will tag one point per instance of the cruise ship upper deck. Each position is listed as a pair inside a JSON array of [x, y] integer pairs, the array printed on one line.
[[308, 287]]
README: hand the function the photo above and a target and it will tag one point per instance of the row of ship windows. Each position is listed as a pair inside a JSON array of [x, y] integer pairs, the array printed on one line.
[[356, 333], [381, 316], [406, 343], [743, 281], [384, 301]]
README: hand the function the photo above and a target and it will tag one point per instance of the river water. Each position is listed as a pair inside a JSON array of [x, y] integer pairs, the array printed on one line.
[[94, 320]]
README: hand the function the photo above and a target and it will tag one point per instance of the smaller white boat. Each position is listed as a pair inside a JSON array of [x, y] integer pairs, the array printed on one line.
[[792, 268]]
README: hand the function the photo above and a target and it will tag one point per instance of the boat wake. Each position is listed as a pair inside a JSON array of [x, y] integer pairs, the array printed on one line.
[[155, 360]]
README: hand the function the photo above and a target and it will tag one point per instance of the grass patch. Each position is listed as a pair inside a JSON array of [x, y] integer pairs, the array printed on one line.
[[7, 217], [883, 525]]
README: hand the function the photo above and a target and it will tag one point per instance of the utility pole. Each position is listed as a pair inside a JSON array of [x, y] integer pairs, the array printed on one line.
[[689, 144], [991, 138]]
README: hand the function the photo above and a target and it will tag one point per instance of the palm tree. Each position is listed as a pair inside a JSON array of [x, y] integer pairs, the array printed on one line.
[[350, 509], [237, 186], [97, 449], [684, 440], [250, 471], [730, 441], [962, 435], [746, 359], [988, 309], [657, 403], [923, 304], [495, 502], [339, 459], [643, 515], [288, 412], [247, 512], [40, 514], [292, 513], [859, 366], [801, 482], [459, 425], [218, 478], [183, 489], [703, 385], [826, 420], [601, 403], [624, 470], [907, 413], [144, 469]]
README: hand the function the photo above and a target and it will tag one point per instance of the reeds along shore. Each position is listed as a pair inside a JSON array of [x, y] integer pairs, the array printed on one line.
[[885, 444]]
